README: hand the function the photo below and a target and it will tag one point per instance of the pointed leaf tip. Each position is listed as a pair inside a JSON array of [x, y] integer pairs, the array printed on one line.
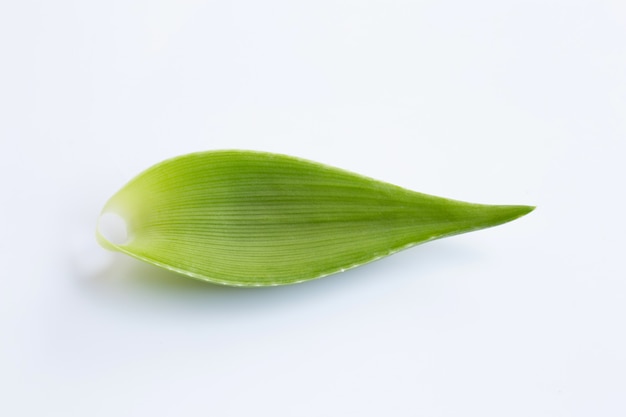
[[248, 218]]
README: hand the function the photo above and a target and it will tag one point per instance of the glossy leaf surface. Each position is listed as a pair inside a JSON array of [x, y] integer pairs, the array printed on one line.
[[250, 218]]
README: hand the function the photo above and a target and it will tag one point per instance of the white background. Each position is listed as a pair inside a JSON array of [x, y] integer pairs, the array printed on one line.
[[511, 102]]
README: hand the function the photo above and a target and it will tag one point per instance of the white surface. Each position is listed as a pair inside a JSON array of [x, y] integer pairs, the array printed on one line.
[[487, 101]]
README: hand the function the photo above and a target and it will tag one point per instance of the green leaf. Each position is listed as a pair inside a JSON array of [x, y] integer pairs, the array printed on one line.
[[250, 218]]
